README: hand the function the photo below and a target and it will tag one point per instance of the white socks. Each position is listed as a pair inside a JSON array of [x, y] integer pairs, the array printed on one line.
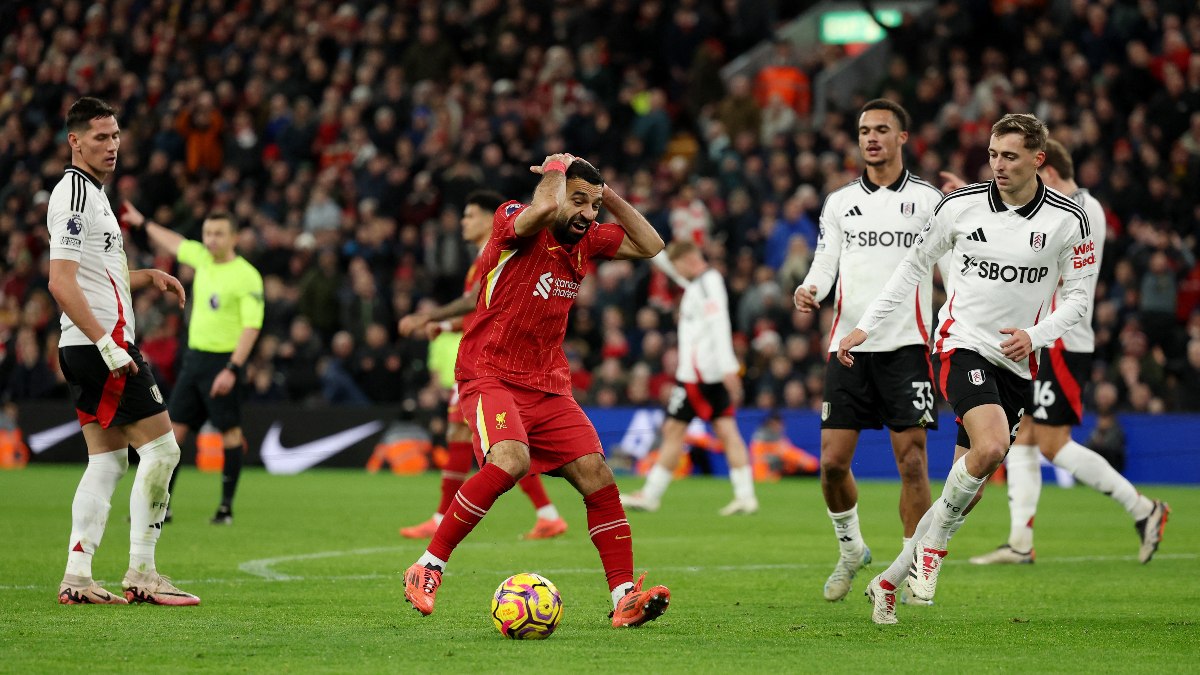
[[960, 489], [148, 500], [657, 482], [89, 510], [1024, 474], [547, 512], [1093, 471], [743, 483], [620, 591], [430, 559], [845, 527]]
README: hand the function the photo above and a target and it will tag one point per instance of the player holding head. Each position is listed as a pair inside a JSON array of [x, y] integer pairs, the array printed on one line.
[[867, 226], [1057, 406], [118, 402], [1011, 240], [514, 382], [221, 333], [477, 227], [708, 384]]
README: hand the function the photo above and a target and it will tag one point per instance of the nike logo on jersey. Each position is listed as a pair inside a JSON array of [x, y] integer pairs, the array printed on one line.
[[977, 235], [283, 460], [854, 212]]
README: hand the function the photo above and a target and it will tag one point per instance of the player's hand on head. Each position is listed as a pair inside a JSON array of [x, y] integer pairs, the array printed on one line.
[[1018, 346], [559, 157], [805, 298], [854, 339], [951, 181]]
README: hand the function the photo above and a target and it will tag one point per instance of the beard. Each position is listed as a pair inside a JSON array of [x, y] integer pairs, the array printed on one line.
[[569, 232]]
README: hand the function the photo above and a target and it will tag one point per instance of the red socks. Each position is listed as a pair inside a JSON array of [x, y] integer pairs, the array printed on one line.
[[610, 534], [470, 505], [458, 464], [532, 486]]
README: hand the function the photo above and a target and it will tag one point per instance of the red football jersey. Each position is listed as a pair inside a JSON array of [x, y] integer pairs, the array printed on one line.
[[529, 285], [474, 273]]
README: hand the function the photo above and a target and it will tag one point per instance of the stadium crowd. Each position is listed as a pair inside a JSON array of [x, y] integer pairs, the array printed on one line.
[[345, 137]]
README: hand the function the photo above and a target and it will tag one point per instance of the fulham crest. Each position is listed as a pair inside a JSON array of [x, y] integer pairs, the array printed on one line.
[[1037, 241], [975, 376], [907, 209]]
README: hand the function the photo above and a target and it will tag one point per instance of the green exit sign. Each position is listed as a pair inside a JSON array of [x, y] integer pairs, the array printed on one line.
[[850, 27]]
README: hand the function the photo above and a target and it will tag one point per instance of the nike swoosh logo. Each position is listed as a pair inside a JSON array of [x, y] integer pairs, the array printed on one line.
[[460, 518], [48, 438], [624, 537], [553, 248], [281, 460]]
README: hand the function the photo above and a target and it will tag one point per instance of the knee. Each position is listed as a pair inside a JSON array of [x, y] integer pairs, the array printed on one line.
[[834, 467], [834, 463], [991, 452], [912, 464], [510, 456], [160, 451], [458, 433], [232, 438], [116, 462]]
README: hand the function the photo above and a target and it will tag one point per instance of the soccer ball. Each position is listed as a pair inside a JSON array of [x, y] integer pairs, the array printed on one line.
[[526, 606]]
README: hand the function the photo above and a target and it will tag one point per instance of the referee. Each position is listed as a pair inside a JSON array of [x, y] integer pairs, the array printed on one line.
[[227, 313]]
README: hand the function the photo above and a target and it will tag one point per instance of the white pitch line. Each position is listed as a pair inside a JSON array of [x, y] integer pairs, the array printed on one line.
[[260, 570]]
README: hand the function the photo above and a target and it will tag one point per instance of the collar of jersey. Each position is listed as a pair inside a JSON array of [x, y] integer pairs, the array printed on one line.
[[1026, 211], [85, 174], [896, 185]]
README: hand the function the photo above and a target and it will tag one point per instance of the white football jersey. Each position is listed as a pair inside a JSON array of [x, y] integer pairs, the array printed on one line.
[[705, 334], [866, 230], [1004, 268], [84, 228], [1082, 338]]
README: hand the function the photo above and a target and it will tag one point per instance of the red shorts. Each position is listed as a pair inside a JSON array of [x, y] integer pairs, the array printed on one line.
[[454, 414], [552, 425]]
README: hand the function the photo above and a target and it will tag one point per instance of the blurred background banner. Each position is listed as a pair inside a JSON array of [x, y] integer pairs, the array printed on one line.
[[288, 439]]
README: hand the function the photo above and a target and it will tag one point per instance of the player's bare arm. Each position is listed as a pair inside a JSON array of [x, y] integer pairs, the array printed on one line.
[[641, 241], [160, 280], [854, 339], [64, 286], [454, 309], [548, 197], [805, 298]]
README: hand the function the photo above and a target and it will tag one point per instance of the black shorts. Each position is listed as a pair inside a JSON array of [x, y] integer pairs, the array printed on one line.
[[893, 388], [99, 397], [1058, 390], [698, 399], [190, 400], [967, 380]]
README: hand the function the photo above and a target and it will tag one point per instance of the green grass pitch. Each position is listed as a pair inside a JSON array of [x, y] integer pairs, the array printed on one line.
[[308, 579]]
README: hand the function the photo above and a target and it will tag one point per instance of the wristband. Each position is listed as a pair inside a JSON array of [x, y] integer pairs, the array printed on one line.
[[555, 166], [233, 368], [114, 356]]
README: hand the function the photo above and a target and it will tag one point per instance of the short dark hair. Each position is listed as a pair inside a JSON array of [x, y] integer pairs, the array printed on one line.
[[1029, 126], [891, 106], [86, 109], [226, 216], [488, 200], [583, 169], [1060, 160]]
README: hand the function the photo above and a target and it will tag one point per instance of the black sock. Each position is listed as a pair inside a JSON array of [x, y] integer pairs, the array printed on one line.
[[230, 474]]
